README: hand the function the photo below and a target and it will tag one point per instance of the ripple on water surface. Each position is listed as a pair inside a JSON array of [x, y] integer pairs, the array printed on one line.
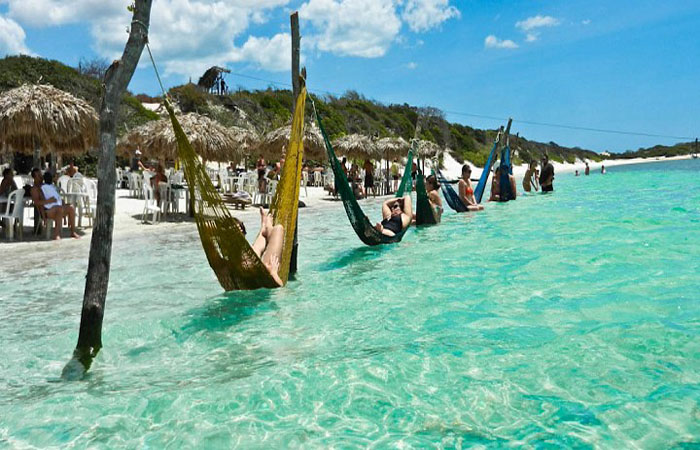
[[564, 320]]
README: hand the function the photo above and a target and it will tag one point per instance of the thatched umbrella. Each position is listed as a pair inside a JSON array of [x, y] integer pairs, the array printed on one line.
[[210, 140], [427, 149], [33, 115], [273, 145], [357, 146], [392, 147]]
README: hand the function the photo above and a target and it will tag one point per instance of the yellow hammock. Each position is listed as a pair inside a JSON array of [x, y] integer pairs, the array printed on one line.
[[235, 263]]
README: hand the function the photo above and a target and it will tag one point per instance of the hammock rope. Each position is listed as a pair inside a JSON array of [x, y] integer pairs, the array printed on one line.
[[358, 220], [236, 265]]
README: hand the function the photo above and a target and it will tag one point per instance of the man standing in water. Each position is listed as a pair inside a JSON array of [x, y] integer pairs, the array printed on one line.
[[587, 171], [547, 175]]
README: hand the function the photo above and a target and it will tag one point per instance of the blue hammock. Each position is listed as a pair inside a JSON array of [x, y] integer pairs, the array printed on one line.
[[451, 196], [479, 191], [504, 181]]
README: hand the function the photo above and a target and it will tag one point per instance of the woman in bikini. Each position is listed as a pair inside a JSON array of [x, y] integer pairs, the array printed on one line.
[[432, 186], [466, 191], [397, 214]]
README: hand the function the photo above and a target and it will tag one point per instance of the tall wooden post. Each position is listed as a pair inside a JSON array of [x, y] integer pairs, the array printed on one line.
[[116, 80], [296, 45]]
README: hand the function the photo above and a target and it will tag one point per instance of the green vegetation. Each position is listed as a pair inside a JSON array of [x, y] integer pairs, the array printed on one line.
[[267, 109], [657, 151]]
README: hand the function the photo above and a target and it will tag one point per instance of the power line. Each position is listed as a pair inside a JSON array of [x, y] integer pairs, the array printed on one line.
[[504, 119]]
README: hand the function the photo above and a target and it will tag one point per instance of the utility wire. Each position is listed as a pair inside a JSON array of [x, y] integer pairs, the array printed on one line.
[[503, 119]]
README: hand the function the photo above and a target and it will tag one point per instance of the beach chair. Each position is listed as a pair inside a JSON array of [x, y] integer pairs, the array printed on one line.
[[304, 183], [13, 216], [318, 179], [149, 206]]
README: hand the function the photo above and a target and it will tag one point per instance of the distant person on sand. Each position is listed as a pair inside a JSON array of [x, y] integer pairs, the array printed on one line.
[[395, 174], [547, 175], [72, 169], [47, 200], [602, 169], [576, 172], [397, 214], [269, 245], [466, 192], [496, 186], [369, 177], [260, 165], [587, 171], [530, 178]]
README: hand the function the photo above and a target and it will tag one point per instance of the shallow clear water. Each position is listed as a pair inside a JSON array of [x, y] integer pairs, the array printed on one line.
[[564, 320]]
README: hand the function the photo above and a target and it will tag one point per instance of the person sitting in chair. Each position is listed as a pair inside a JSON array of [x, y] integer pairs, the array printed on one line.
[[7, 185], [268, 245], [397, 214], [466, 191], [47, 200]]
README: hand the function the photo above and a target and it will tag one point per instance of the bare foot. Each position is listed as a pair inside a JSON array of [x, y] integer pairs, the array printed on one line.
[[378, 227], [75, 235], [57, 238]]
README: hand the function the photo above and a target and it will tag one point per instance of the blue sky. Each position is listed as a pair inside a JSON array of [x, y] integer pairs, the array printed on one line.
[[623, 65]]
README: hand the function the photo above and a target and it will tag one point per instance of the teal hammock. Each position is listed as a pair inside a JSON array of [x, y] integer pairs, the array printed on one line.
[[450, 195], [425, 215], [359, 221], [506, 170], [479, 191]]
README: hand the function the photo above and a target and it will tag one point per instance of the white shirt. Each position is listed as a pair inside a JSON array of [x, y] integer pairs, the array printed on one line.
[[49, 191]]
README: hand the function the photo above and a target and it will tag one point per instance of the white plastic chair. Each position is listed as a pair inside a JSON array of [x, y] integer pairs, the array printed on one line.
[[63, 182], [304, 183], [165, 198], [266, 198], [14, 214], [150, 206], [318, 179]]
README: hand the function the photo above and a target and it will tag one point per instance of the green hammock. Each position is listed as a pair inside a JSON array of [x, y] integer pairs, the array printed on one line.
[[425, 214], [359, 221]]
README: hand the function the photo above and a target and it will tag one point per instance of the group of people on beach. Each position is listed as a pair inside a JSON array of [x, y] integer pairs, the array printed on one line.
[[45, 197], [587, 170]]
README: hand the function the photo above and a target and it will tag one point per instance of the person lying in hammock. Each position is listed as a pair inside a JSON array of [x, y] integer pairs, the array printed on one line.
[[466, 191], [397, 214], [431, 187], [268, 245]]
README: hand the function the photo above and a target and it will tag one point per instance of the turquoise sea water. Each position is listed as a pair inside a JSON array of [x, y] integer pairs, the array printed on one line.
[[568, 320]]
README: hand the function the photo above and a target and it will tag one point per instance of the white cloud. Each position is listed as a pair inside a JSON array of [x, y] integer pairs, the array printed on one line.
[[12, 38], [423, 15], [412, 65], [272, 53], [186, 36], [586, 22], [531, 25], [492, 41], [538, 21], [363, 28]]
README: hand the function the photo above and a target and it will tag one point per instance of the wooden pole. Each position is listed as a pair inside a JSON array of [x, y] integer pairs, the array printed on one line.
[[296, 46], [116, 80]]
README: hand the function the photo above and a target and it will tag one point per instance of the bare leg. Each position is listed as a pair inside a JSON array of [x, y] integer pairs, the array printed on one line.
[[261, 240], [56, 214], [273, 252], [70, 212]]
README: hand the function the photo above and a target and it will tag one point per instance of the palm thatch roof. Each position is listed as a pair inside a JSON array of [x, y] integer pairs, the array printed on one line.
[[357, 146], [38, 114], [273, 145], [392, 147], [427, 149], [210, 140]]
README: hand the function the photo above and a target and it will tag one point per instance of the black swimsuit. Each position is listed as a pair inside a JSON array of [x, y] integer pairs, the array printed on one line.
[[393, 224]]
